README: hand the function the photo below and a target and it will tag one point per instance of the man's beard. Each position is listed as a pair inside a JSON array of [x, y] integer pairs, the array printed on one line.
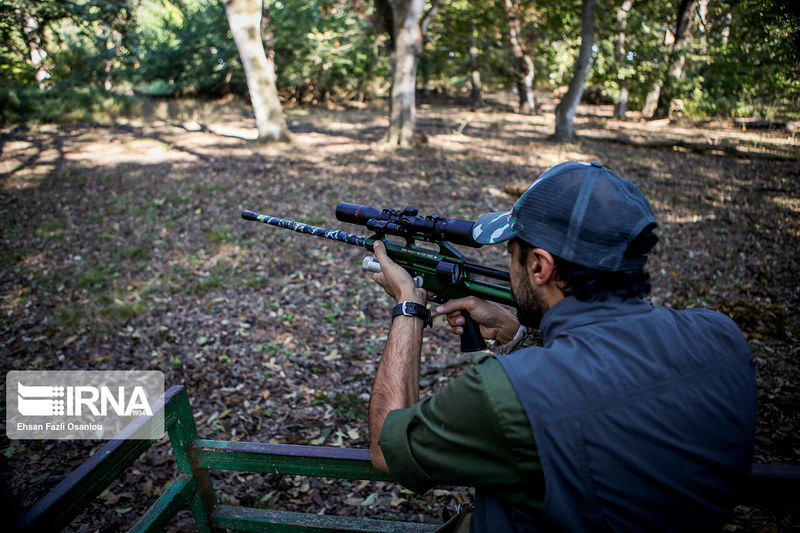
[[531, 306]]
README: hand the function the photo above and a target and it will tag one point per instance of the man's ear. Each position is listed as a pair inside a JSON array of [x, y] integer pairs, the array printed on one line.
[[541, 266]]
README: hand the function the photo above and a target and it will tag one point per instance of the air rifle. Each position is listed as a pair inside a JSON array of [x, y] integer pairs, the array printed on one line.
[[445, 272]]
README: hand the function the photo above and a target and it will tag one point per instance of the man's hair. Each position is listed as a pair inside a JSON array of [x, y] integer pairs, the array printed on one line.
[[591, 284]]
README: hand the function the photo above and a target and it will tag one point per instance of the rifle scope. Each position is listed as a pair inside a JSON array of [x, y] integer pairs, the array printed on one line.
[[408, 223]]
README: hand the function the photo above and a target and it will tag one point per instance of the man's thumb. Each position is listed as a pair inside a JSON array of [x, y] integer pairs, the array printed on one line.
[[379, 250]]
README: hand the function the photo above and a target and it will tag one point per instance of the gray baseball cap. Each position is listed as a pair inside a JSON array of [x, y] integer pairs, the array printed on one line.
[[580, 212]]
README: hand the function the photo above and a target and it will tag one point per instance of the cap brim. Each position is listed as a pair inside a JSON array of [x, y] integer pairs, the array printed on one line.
[[493, 228]]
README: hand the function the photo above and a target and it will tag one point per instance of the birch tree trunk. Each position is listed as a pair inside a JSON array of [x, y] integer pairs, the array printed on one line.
[[523, 64], [244, 17], [407, 41], [726, 28], [677, 58], [621, 105], [32, 31], [566, 108]]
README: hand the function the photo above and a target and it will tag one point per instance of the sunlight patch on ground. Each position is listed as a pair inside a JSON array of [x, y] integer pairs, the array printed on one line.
[[242, 132], [792, 204], [26, 179], [672, 218], [454, 142], [135, 151], [225, 252]]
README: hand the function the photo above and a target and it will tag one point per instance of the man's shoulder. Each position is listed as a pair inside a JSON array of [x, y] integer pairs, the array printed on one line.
[[487, 372], [709, 321]]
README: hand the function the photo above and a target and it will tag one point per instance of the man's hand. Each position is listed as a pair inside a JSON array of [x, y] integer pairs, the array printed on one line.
[[395, 280], [495, 322], [397, 380]]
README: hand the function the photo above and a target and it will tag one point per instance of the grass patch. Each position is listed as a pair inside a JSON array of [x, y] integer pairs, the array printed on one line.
[[50, 228], [348, 406], [220, 235], [94, 278], [121, 312], [64, 104], [132, 253], [221, 275]]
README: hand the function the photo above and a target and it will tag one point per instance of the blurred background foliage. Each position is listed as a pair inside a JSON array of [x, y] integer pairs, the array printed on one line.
[[80, 60]]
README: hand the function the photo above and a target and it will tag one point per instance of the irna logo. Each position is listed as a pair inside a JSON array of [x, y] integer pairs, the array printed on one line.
[[44, 400]]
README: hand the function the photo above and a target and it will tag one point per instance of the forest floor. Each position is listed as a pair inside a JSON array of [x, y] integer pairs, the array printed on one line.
[[122, 248]]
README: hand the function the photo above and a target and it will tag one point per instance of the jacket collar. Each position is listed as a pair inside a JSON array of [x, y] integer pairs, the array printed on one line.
[[570, 313]]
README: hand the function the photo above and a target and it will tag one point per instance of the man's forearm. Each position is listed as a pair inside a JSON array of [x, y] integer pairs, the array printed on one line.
[[397, 380]]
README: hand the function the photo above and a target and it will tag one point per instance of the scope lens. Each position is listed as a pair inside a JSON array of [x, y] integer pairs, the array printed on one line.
[[356, 214]]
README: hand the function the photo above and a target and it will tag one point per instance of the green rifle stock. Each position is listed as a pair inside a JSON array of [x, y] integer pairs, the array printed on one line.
[[445, 271]]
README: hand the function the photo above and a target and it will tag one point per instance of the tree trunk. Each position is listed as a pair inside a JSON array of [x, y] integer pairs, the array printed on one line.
[[244, 17], [702, 15], [407, 38], [621, 105], [726, 28], [476, 95], [109, 52], [566, 108], [32, 31], [677, 58], [651, 99], [523, 64]]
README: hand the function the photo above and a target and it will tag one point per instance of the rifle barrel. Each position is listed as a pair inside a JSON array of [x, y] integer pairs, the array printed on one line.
[[300, 227], [489, 272]]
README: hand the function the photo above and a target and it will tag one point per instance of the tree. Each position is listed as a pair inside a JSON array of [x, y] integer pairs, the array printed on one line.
[[401, 20], [476, 93], [523, 64], [244, 18], [620, 58], [659, 99], [566, 108], [23, 27]]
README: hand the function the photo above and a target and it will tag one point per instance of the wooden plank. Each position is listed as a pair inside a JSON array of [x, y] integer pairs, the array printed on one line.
[[58, 507], [316, 461], [249, 519], [770, 483], [175, 497], [182, 436]]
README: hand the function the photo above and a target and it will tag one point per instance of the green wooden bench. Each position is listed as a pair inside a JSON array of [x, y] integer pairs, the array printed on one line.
[[192, 486], [195, 457]]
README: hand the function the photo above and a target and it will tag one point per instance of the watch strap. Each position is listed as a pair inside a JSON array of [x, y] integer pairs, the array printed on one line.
[[408, 308]]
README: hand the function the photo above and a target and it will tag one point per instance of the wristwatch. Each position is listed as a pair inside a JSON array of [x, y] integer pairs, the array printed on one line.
[[409, 308]]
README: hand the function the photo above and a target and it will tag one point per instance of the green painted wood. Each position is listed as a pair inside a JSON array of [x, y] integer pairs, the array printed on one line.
[[182, 436], [174, 498], [196, 456], [57, 509], [249, 519], [317, 461]]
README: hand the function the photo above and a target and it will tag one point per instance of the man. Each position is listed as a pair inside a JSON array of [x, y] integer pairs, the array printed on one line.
[[625, 418]]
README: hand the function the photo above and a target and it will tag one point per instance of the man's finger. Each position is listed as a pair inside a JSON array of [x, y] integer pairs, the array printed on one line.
[[451, 306], [380, 251]]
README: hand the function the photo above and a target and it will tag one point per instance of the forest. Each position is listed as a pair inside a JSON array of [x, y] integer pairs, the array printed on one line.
[[77, 61], [134, 132]]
